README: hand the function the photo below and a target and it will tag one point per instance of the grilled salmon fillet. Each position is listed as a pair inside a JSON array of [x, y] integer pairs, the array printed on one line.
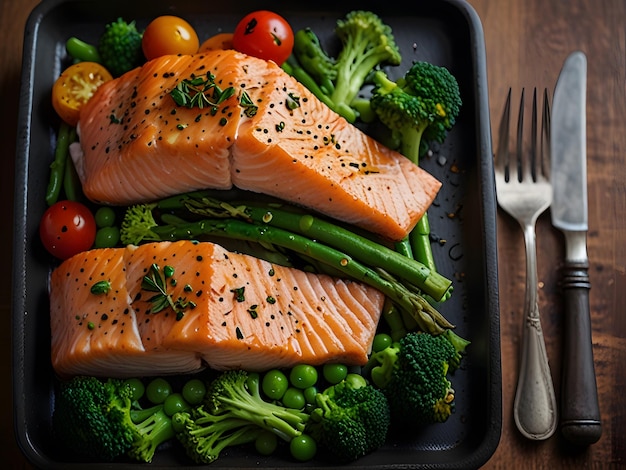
[[98, 334], [271, 136], [228, 310]]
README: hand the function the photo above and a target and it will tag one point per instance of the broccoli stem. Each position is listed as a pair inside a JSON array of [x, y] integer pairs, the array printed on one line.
[[419, 238], [204, 435], [393, 319], [268, 416], [359, 247], [293, 68], [153, 431], [231, 398], [427, 317]]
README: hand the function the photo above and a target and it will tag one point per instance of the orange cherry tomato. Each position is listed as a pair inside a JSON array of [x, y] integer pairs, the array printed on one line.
[[220, 41], [169, 35], [75, 86], [264, 34]]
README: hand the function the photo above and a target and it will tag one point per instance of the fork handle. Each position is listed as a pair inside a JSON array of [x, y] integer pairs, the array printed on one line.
[[580, 414], [535, 405]]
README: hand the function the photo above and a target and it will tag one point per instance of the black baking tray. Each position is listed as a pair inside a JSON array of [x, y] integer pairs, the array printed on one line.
[[447, 33]]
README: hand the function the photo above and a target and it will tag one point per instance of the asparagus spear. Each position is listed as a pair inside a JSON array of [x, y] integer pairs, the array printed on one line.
[[288, 218], [139, 225]]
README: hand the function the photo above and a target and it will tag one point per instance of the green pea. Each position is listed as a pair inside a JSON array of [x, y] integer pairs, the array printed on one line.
[[274, 384], [174, 403], [381, 341], [303, 447], [309, 395], [294, 398], [107, 237], [266, 443], [137, 387], [334, 373], [356, 380], [194, 391], [105, 216], [158, 390], [303, 376]]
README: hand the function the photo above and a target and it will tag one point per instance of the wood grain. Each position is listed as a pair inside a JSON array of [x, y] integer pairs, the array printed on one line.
[[527, 42]]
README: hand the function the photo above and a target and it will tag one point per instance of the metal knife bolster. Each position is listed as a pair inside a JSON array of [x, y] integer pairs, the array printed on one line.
[[576, 246]]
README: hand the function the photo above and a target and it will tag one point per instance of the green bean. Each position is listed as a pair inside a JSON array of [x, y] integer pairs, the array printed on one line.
[[71, 182], [404, 247], [420, 243], [57, 167], [82, 51]]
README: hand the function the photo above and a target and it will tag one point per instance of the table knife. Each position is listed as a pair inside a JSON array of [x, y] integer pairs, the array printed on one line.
[[579, 411]]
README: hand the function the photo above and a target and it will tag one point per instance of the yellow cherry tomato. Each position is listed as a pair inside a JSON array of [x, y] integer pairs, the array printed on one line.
[[169, 35], [75, 86], [221, 41]]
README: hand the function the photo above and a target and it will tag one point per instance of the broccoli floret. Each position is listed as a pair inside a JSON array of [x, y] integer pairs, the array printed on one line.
[[414, 375], [153, 427], [204, 434], [138, 225], [93, 417], [90, 417], [350, 419], [232, 413], [120, 47], [238, 393], [366, 45], [419, 108]]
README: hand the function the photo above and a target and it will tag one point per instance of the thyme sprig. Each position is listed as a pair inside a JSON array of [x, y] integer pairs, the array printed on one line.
[[200, 92], [249, 108], [156, 281]]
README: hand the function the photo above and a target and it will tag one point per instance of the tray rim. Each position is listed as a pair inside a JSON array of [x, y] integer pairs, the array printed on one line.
[[19, 275]]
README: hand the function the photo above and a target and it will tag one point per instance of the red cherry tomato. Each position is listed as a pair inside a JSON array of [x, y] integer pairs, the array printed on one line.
[[67, 228], [264, 34], [169, 35]]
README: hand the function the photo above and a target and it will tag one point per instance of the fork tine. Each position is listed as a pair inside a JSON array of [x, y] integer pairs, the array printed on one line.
[[534, 157], [519, 145], [502, 152], [545, 135]]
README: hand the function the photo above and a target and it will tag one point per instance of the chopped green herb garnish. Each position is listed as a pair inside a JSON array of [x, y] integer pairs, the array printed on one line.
[[249, 108], [239, 294], [101, 287], [292, 101], [253, 312]]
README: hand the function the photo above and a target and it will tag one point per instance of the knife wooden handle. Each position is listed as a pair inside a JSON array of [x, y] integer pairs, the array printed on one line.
[[580, 413]]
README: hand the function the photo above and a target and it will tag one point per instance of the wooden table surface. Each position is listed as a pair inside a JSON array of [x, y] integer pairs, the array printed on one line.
[[527, 42]]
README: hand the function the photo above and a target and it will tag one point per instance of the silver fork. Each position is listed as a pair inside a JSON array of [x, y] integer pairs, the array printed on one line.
[[524, 191]]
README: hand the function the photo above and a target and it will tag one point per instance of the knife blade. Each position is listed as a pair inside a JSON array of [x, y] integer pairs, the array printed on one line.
[[580, 415]]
